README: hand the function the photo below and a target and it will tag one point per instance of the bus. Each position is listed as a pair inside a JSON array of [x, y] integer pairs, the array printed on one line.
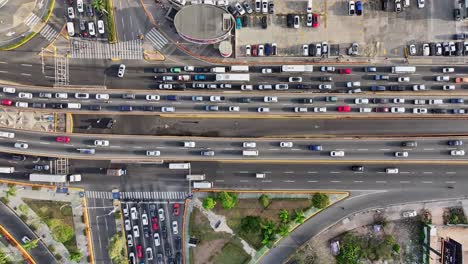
[[7, 169], [179, 166], [202, 185], [239, 68], [403, 69], [195, 177], [233, 77], [297, 68]]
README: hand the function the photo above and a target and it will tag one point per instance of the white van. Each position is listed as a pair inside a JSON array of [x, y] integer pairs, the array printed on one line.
[[74, 105], [436, 101], [260, 175], [7, 169], [7, 134], [391, 170], [250, 153], [202, 185], [70, 29]]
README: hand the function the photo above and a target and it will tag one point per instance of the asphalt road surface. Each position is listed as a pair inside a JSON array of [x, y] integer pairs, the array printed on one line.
[[103, 227]]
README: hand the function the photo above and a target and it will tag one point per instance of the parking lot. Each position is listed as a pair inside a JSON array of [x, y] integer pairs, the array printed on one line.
[[153, 232], [378, 32]]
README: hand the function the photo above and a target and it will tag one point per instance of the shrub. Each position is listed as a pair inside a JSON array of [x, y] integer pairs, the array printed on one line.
[[320, 200], [264, 201], [24, 209], [58, 256], [396, 248], [51, 248], [209, 203], [228, 200], [250, 223], [61, 232], [75, 256], [23, 217], [36, 188], [110, 26], [33, 227], [4, 200]]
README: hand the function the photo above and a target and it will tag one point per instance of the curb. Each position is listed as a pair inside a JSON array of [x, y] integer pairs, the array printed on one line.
[[15, 243], [88, 230]]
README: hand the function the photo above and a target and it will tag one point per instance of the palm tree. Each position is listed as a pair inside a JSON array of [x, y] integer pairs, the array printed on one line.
[[31, 244], [283, 230], [284, 216], [11, 191], [99, 6], [299, 217]]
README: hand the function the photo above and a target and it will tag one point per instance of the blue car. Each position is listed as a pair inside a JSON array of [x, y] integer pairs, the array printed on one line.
[[315, 147], [125, 108], [238, 23], [199, 77], [172, 97], [358, 8], [267, 49]]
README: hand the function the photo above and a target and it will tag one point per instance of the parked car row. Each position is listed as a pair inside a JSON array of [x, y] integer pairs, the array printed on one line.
[[261, 50], [441, 49], [260, 7], [315, 50], [86, 28]]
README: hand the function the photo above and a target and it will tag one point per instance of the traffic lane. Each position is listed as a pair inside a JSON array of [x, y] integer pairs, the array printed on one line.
[[103, 227], [18, 229]]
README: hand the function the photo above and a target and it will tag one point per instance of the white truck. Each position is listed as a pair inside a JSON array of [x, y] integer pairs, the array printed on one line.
[[233, 77], [297, 68], [195, 177], [179, 166], [7, 169], [403, 69], [202, 185], [56, 178], [218, 69]]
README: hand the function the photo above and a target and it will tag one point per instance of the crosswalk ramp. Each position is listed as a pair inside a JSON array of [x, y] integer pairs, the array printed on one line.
[[156, 38], [32, 20], [149, 196], [94, 49]]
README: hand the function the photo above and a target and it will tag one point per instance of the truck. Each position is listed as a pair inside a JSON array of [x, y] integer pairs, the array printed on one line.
[[403, 69], [179, 166], [202, 185], [56, 178], [218, 69], [239, 68], [297, 68], [461, 80], [116, 172], [7, 169], [250, 153], [195, 177], [233, 77]]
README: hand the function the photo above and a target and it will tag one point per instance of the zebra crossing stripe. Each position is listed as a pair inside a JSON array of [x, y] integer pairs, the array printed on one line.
[[156, 38], [31, 20]]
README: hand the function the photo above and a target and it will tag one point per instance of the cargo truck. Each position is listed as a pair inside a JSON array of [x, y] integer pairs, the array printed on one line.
[[218, 69], [57, 178], [202, 185], [195, 177], [116, 172]]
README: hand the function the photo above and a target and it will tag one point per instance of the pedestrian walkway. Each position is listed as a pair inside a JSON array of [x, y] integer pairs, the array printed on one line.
[[139, 195], [156, 38], [94, 49], [48, 33], [32, 20]]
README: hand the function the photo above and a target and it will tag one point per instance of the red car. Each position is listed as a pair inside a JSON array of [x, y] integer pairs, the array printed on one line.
[[344, 108], [154, 223], [175, 209], [62, 139], [139, 251], [7, 102], [315, 20], [254, 50], [345, 71]]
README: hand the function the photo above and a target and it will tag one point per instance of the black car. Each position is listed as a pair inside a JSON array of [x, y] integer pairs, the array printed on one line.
[[460, 47], [89, 10], [201, 69], [357, 168], [311, 49], [232, 10], [244, 100], [456, 14], [384, 5], [164, 231], [378, 88], [177, 243], [18, 157], [168, 251], [300, 86], [177, 258], [326, 79], [159, 70], [432, 49], [125, 108], [455, 143], [411, 144], [38, 105], [264, 22], [290, 20], [146, 231], [439, 111], [94, 107], [380, 101], [245, 21], [307, 100], [459, 36], [58, 106], [149, 108], [38, 167], [271, 7], [179, 85], [397, 88], [274, 51]]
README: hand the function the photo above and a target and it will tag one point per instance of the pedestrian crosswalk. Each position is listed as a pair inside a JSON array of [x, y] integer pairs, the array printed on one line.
[[92, 49], [156, 38], [32, 20], [48, 32], [150, 196]]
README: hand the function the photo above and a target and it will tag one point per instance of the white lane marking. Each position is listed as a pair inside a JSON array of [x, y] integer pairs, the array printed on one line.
[[274, 149], [380, 172], [162, 147], [115, 146], [310, 172], [427, 172], [312, 181], [362, 149], [426, 181], [450, 172], [335, 181], [289, 181], [26, 65], [335, 172], [267, 181], [49, 77], [289, 172], [358, 181], [26, 74], [295, 149], [358, 172], [384, 149], [219, 171], [3, 62], [138, 147], [244, 180], [7, 72], [219, 180], [404, 172], [267, 172], [380, 181], [341, 149], [428, 149], [229, 149], [44, 143], [405, 181], [450, 182], [243, 172]]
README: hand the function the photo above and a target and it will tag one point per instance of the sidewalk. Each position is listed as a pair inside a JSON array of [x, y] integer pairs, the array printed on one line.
[[43, 230]]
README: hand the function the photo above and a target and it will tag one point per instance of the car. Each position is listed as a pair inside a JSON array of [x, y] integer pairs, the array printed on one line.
[[62, 139], [267, 70], [248, 50], [246, 87], [261, 50], [238, 23], [353, 91], [121, 71], [327, 68], [381, 77], [325, 86], [9, 90], [378, 88], [351, 8], [264, 22], [326, 79], [318, 49], [409, 144], [403, 79], [401, 154], [45, 95], [249, 144], [287, 144], [247, 7], [157, 240], [81, 95], [271, 7], [175, 228], [295, 79], [71, 12], [305, 50], [382, 110], [297, 21], [208, 153], [345, 71], [144, 219], [270, 99], [309, 20], [176, 209], [133, 213], [232, 10], [264, 6], [102, 96], [101, 143], [444, 78], [306, 100], [165, 86], [216, 98], [129, 240], [458, 152], [361, 101], [159, 70], [125, 209], [398, 6], [358, 8], [331, 99], [89, 10], [160, 258], [398, 100], [315, 20], [136, 231], [19, 145], [412, 49], [458, 111], [456, 100], [25, 239], [300, 109], [263, 109], [455, 143], [100, 27], [398, 110], [344, 108], [426, 50], [161, 214], [353, 84], [419, 110], [419, 87], [211, 108], [320, 109], [38, 167], [444, 70], [357, 168], [152, 97], [7, 102], [337, 153], [420, 3], [167, 109], [233, 108], [139, 251], [448, 87], [18, 157], [407, 214]]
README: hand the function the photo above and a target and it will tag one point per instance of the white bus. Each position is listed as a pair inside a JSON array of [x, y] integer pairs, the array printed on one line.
[[239, 68], [297, 68], [233, 77], [403, 69], [7, 169], [179, 166], [195, 177], [202, 185]]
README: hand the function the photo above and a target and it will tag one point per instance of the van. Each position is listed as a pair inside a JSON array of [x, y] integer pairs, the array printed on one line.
[[250, 153], [7, 134], [7, 169], [406, 3], [74, 105], [260, 175], [436, 101], [70, 29]]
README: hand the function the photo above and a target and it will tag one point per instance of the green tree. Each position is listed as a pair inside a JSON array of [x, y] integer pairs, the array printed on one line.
[[99, 5], [31, 244], [209, 203], [61, 232], [228, 200], [320, 200], [11, 192], [396, 247], [350, 251], [283, 229], [299, 217], [75, 256], [268, 232], [284, 216], [264, 201], [250, 223], [116, 249], [24, 209], [3, 258]]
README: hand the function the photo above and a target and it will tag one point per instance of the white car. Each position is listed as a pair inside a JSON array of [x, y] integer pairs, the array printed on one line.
[[249, 144], [391, 170], [129, 240], [136, 231], [102, 96], [265, 6], [216, 98], [128, 227], [91, 30], [153, 153], [19, 145], [21, 104], [267, 70], [297, 21], [133, 213], [398, 100], [61, 95], [353, 84], [444, 78], [125, 210], [161, 214], [361, 101], [286, 144], [165, 86], [459, 152], [419, 87], [189, 68], [258, 6], [100, 26], [320, 109], [365, 109], [419, 110], [79, 6], [101, 143], [411, 213], [305, 50], [144, 219], [398, 110], [309, 20], [403, 79], [157, 240], [175, 228], [261, 50], [121, 71], [295, 79], [270, 99], [300, 109], [25, 239], [412, 49], [81, 95], [337, 153], [149, 253], [351, 8], [239, 9], [448, 87], [444, 70], [71, 12], [327, 68], [426, 50], [420, 3], [25, 95], [234, 108], [325, 86], [245, 87], [152, 97], [10, 90], [167, 109], [189, 144], [263, 109], [401, 154]]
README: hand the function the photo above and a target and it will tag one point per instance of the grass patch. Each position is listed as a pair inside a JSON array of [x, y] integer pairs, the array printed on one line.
[[232, 254], [110, 22], [202, 229]]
